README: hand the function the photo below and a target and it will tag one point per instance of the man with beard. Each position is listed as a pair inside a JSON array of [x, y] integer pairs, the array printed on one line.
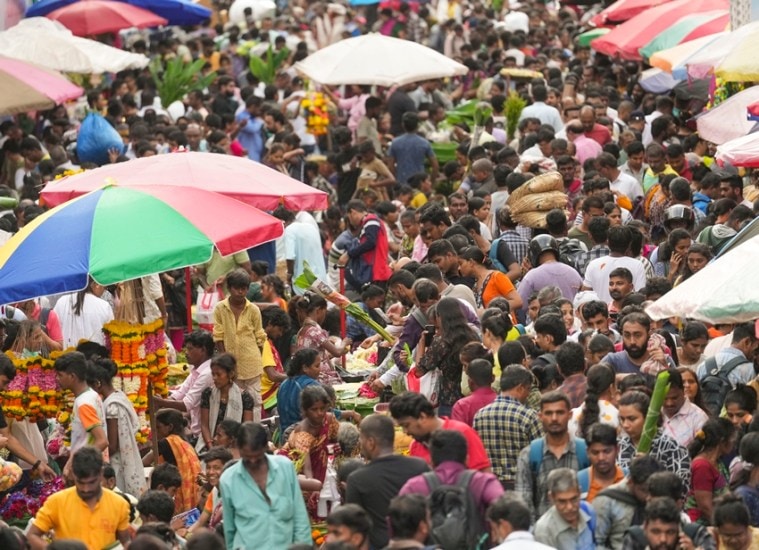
[[662, 526], [556, 450], [620, 285], [416, 415], [263, 503], [373, 486], [86, 512], [635, 328], [602, 454], [225, 103]]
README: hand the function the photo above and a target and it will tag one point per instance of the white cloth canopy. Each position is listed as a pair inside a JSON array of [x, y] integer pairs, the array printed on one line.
[[728, 120], [375, 59], [49, 44], [743, 151], [722, 292]]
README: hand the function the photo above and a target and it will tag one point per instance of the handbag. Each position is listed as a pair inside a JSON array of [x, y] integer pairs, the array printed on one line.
[[205, 304]]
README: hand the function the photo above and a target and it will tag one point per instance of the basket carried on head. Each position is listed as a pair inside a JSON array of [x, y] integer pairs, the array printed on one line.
[[550, 181], [532, 201]]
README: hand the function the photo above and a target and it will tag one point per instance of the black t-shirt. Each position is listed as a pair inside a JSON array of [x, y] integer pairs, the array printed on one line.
[[3, 422], [398, 104], [373, 487]]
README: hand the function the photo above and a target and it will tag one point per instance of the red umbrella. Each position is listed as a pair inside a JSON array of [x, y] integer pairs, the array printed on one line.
[[239, 178], [90, 17], [626, 39], [622, 10]]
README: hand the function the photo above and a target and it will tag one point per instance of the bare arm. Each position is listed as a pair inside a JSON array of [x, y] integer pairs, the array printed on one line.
[[34, 536], [113, 436], [100, 439], [162, 403], [205, 429]]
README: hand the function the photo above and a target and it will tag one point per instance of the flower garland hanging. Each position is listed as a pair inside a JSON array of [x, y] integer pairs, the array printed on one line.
[[34, 392], [316, 112], [139, 351]]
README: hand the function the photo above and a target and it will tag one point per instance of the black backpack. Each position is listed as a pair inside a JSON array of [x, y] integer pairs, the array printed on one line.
[[569, 250], [456, 524], [715, 385]]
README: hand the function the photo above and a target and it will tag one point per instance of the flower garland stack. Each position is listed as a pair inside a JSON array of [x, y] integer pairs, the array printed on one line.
[[34, 392], [316, 112], [139, 352]]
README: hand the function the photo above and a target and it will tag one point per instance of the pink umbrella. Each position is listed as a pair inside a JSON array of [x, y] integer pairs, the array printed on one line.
[[626, 39], [622, 10], [28, 87], [239, 178], [743, 151], [91, 17]]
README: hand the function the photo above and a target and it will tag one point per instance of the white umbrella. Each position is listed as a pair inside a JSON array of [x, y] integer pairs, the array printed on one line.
[[375, 59], [260, 9], [728, 120], [49, 44], [722, 292]]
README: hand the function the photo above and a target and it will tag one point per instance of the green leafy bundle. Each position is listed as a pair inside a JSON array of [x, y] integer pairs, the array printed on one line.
[[651, 425], [178, 78], [309, 281]]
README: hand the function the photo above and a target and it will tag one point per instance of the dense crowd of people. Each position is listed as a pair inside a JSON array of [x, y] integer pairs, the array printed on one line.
[[515, 394]]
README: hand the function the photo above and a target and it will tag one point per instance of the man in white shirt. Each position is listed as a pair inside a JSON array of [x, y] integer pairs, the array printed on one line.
[[620, 183], [635, 167], [542, 111], [199, 347], [598, 270], [510, 519]]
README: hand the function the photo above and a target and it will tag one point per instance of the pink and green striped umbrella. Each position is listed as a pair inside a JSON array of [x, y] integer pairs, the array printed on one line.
[[688, 28], [119, 233]]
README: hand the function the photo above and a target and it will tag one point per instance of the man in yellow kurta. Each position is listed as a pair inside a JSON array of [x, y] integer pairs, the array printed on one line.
[[237, 329]]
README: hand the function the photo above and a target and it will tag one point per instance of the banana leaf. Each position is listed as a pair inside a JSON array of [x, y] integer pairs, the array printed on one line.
[[651, 425], [463, 113], [309, 281]]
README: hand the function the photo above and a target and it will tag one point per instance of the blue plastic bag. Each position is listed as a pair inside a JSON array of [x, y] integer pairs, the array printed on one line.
[[96, 137]]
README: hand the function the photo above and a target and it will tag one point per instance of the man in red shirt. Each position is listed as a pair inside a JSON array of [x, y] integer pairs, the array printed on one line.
[[416, 415], [593, 130], [480, 373]]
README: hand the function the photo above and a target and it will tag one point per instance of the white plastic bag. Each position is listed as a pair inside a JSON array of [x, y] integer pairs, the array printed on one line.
[[429, 386], [205, 305]]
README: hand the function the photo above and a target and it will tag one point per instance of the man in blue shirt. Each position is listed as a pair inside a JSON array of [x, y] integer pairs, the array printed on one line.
[[263, 503], [408, 152], [250, 129]]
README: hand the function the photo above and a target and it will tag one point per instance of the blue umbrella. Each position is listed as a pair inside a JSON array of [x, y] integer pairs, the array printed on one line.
[[177, 12]]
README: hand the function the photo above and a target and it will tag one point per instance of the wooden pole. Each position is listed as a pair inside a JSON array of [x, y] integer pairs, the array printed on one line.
[[153, 432], [342, 312], [188, 297]]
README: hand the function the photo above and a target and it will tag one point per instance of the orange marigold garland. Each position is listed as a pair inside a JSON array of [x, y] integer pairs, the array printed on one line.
[[139, 352]]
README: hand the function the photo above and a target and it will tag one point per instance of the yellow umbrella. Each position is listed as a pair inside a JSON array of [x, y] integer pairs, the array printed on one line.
[[672, 57], [740, 65]]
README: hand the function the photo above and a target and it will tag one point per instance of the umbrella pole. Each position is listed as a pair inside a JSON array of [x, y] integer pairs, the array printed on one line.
[[153, 432], [341, 270], [188, 297]]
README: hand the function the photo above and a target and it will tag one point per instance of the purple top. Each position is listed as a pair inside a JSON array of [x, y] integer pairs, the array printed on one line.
[[485, 488]]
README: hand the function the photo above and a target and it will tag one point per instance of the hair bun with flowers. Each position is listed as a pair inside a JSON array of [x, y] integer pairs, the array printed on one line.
[[700, 435]]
